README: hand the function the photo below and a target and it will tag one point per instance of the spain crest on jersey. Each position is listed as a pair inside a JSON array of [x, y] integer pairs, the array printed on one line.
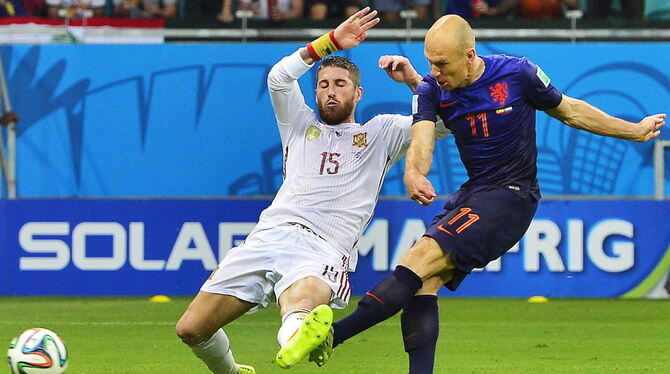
[[360, 140]]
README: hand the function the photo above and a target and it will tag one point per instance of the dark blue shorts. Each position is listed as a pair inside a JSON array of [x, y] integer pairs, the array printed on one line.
[[480, 224]]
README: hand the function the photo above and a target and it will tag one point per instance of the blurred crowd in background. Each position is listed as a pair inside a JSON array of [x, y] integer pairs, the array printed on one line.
[[225, 11]]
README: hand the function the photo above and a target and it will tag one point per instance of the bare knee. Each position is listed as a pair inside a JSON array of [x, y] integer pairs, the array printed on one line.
[[207, 313], [427, 259], [189, 332]]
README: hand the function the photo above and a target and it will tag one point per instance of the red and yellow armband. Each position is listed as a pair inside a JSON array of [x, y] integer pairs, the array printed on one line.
[[323, 46]]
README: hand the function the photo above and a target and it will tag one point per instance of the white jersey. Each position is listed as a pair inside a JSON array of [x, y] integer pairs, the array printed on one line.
[[332, 174]]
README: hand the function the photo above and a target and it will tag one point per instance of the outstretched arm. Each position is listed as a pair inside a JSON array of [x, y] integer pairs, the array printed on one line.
[[347, 35], [584, 116]]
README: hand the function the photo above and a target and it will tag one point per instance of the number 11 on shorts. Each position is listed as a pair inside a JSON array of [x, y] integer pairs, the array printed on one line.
[[464, 213]]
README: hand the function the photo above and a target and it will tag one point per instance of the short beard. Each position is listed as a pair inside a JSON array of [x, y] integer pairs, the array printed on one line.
[[335, 116]]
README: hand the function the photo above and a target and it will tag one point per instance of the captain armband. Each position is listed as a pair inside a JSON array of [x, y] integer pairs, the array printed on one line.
[[323, 46]]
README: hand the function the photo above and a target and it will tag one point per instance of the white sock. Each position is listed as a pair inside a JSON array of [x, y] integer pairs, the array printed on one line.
[[216, 354], [291, 321]]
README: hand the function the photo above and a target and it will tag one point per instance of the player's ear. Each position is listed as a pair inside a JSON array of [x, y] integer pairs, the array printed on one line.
[[358, 95], [471, 54]]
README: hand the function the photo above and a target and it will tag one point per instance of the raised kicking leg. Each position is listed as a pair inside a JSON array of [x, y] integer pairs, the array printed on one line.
[[200, 327], [419, 326], [422, 262]]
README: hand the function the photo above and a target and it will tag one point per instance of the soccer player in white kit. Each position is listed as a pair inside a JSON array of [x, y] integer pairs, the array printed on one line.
[[304, 244]]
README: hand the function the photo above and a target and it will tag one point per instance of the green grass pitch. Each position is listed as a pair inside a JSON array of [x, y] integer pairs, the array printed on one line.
[[505, 336]]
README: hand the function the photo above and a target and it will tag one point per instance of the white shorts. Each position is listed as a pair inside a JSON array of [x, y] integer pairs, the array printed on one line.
[[271, 260]]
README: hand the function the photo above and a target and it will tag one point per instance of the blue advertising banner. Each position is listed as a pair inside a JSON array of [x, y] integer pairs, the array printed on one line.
[[196, 119], [140, 247]]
